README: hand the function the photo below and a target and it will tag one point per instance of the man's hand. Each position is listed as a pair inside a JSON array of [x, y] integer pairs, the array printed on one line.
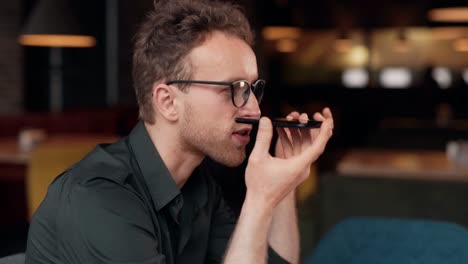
[[270, 179], [283, 235]]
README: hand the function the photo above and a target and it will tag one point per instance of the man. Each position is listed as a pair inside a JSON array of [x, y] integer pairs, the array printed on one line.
[[146, 198]]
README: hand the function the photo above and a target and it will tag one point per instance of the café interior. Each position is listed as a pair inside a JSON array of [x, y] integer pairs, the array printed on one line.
[[394, 73]]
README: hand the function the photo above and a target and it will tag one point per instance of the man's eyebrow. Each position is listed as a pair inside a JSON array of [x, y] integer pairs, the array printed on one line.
[[233, 79]]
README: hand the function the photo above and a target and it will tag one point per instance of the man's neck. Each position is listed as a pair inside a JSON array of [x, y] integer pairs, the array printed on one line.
[[180, 163]]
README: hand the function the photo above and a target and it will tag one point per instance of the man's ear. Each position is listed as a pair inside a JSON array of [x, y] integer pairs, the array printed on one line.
[[164, 101]]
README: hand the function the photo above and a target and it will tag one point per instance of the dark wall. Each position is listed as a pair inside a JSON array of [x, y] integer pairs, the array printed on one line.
[[357, 112], [11, 85]]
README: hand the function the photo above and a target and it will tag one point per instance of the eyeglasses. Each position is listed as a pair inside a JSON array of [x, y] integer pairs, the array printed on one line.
[[240, 90]]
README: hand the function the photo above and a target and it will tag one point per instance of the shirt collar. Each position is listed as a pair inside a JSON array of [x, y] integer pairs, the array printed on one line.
[[160, 183]]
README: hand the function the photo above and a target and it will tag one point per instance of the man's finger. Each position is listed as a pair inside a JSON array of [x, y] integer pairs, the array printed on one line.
[[328, 114], [296, 140], [264, 135], [306, 133], [303, 118], [318, 116], [319, 143], [285, 142], [293, 115]]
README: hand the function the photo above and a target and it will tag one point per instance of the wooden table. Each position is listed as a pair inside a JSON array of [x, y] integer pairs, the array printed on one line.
[[421, 165], [10, 152]]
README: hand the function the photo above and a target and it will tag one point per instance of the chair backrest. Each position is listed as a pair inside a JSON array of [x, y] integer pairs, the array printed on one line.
[[52, 157], [389, 241], [13, 259], [343, 196]]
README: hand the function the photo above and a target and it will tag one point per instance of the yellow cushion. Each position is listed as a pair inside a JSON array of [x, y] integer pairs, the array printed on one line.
[[52, 157]]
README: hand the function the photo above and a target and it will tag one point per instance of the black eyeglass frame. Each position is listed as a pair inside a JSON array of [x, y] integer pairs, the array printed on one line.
[[252, 88]]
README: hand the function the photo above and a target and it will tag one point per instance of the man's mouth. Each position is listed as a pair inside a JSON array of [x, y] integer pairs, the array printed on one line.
[[243, 132], [242, 135]]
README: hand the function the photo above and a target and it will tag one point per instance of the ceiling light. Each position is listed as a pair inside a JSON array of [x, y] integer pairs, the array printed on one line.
[[355, 78], [53, 24], [442, 76], [449, 14], [395, 78], [275, 33]]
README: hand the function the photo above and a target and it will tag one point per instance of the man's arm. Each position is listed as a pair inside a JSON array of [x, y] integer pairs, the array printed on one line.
[[222, 228], [269, 181], [284, 231], [254, 228], [249, 241]]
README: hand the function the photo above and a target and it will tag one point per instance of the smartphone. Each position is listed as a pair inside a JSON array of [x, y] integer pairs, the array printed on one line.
[[282, 122]]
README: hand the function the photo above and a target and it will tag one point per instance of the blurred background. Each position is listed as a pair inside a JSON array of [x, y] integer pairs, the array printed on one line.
[[395, 74]]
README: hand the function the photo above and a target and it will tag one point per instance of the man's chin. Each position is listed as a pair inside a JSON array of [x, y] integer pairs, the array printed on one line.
[[231, 161]]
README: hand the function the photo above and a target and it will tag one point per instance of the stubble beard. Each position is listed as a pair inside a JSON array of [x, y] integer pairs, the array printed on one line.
[[210, 139]]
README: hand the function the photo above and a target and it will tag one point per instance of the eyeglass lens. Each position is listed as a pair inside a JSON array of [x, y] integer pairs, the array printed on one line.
[[242, 91]]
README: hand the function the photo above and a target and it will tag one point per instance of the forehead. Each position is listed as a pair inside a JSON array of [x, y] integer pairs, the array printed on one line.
[[223, 57]]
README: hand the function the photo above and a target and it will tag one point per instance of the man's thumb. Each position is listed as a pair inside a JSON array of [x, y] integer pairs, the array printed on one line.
[[264, 135]]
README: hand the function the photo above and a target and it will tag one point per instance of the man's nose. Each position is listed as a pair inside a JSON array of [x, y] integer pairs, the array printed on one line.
[[251, 108]]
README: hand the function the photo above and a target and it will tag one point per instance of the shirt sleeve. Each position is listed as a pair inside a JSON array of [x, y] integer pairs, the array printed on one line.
[[222, 228], [103, 222]]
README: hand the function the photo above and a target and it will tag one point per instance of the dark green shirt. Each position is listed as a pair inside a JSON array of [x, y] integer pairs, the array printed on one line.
[[121, 205]]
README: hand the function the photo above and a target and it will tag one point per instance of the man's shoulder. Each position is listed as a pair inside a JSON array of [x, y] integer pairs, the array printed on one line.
[[101, 178], [107, 162]]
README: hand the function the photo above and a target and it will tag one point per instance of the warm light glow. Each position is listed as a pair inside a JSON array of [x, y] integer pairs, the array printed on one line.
[[275, 33], [448, 33], [401, 46], [450, 14], [358, 56], [461, 45], [286, 45], [75, 41], [343, 45]]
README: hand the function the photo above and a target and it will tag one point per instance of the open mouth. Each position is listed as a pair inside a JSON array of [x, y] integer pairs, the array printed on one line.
[[243, 132], [242, 135]]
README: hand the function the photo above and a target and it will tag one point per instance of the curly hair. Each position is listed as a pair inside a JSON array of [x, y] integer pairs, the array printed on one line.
[[167, 36]]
